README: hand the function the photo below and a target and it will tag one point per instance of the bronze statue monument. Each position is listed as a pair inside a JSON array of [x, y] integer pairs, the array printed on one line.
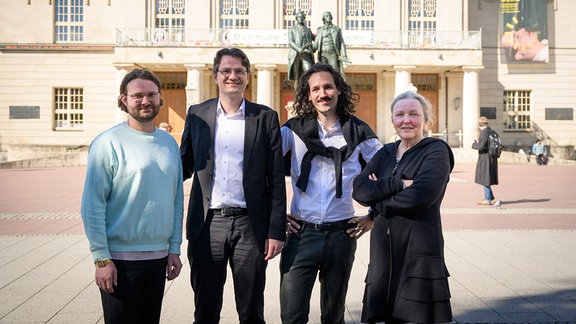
[[330, 44], [301, 55]]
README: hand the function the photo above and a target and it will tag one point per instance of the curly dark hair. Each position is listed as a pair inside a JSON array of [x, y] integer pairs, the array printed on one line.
[[347, 100]]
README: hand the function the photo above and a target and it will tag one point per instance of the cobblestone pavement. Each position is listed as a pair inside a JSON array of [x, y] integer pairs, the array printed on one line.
[[514, 264]]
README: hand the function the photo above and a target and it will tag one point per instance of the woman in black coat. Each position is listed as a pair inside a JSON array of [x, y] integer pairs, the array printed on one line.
[[404, 184]]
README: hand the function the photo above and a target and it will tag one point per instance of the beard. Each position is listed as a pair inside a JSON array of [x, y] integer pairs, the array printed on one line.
[[144, 117]]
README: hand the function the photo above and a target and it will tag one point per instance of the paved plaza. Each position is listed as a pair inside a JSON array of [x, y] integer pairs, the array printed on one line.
[[514, 264]]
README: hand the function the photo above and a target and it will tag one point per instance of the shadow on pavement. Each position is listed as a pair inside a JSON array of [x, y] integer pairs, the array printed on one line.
[[520, 201], [555, 307]]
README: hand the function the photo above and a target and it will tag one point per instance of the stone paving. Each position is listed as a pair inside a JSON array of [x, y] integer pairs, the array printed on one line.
[[514, 264]]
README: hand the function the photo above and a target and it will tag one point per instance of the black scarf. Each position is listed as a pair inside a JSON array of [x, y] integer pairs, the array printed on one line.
[[355, 132]]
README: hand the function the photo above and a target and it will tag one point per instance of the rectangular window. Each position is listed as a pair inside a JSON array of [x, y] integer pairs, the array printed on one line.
[[362, 81], [422, 15], [234, 14], [68, 108], [425, 82], [172, 80], [421, 22], [170, 21], [359, 15], [517, 110], [68, 21], [292, 7]]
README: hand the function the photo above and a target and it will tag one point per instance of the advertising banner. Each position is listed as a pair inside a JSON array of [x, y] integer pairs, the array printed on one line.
[[524, 31]]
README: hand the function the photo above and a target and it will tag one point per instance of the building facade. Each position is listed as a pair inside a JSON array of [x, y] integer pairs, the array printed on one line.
[[61, 63]]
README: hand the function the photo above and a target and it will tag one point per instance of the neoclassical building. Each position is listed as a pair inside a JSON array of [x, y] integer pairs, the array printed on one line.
[[61, 62]]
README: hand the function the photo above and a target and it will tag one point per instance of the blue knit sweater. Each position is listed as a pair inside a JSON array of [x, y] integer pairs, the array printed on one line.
[[133, 198]]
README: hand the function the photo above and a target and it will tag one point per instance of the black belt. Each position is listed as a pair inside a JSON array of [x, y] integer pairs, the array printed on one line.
[[327, 227], [229, 211]]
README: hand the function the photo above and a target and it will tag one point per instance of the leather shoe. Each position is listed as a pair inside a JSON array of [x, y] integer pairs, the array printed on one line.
[[485, 202]]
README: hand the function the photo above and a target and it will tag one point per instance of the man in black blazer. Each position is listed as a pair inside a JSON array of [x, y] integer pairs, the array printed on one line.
[[237, 208]]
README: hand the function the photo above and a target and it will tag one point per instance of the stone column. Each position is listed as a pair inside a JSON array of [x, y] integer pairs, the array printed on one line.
[[403, 78], [265, 89], [470, 104], [194, 85]]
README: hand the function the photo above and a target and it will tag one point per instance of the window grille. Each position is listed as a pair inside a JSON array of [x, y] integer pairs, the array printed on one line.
[[360, 15], [422, 15], [234, 14], [422, 22], [170, 16], [425, 82], [292, 7], [172, 80], [68, 108], [362, 81], [517, 110], [68, 21]]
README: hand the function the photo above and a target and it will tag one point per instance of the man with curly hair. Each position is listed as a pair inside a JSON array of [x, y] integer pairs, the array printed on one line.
[[325, 145]]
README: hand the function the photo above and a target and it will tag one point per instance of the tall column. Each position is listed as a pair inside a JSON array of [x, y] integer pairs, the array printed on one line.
[[123, 69], [403, 78], [265, 90], [384, 113], [194, 84], [470, 104]]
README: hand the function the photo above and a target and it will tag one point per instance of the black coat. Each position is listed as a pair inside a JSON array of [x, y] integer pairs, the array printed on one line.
[[407, 277], [487, 166], [263, 175]]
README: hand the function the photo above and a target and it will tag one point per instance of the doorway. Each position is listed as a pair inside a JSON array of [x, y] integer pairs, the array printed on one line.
[[364, 84], [427, 85], [174, 95]]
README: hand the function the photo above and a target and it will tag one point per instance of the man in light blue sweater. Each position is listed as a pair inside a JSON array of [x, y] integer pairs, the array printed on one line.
[[132, 206]]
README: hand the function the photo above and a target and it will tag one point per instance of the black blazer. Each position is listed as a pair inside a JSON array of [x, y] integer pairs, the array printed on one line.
[[263, 180]]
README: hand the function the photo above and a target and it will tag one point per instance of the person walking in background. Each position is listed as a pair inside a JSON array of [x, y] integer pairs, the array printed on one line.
[[540, 151], [404, 184], [330, 44], [325, 144], [237, 207], [132, 206], [301, 55], [487, 165]]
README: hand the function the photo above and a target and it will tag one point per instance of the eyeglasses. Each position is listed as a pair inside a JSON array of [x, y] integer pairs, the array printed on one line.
[[138, 97], [227, 72]]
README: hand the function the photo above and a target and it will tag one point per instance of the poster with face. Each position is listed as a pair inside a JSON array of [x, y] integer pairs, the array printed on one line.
[[524, 31]]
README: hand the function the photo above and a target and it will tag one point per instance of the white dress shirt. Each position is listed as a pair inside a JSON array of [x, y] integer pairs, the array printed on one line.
[[227, 188], [318, 204]]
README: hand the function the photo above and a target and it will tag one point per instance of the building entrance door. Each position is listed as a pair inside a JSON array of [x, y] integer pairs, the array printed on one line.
[[173, 112], [365, 85], [286, 97], [427, 85], [174, 95]]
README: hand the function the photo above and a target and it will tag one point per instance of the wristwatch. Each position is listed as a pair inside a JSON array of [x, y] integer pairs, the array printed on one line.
[[102, 263]]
